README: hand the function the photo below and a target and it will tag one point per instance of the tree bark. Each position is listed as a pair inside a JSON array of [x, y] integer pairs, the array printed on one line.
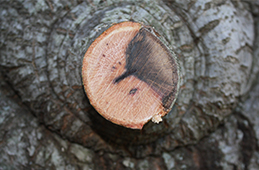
[[47, 122]]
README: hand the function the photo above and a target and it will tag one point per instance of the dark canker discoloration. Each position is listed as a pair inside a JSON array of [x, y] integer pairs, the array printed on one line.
[[149, 60], [168, 100], [133, 91], [124, 75]]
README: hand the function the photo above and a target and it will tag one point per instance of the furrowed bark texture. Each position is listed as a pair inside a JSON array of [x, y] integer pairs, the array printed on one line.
[[46, 121]]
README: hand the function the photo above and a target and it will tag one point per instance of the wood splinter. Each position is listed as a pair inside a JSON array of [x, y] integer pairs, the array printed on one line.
[[130, 76]]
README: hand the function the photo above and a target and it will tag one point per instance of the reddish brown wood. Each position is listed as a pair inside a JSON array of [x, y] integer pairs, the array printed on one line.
[[124, 78]]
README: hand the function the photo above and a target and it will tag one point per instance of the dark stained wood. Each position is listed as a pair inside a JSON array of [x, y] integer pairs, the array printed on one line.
[[149, 59], [130, 76]]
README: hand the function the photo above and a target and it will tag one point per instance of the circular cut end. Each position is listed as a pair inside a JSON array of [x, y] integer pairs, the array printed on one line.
[[130, 76]]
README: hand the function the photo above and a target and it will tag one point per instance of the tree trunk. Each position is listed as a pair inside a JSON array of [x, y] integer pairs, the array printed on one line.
[[47, 121]]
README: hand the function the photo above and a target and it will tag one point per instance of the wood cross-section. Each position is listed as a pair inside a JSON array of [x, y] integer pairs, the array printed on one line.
[[129, 75]]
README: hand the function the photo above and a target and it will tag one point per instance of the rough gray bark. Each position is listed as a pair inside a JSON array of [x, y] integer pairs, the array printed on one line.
[[47, 123]]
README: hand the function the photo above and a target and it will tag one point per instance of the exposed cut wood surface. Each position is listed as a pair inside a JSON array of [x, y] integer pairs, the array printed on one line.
[[129, 75]]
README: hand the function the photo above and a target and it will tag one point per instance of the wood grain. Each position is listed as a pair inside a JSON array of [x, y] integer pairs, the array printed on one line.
[[129, 75]]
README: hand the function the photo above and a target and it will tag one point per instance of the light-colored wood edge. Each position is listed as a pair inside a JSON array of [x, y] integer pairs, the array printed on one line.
[[117, 28]]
